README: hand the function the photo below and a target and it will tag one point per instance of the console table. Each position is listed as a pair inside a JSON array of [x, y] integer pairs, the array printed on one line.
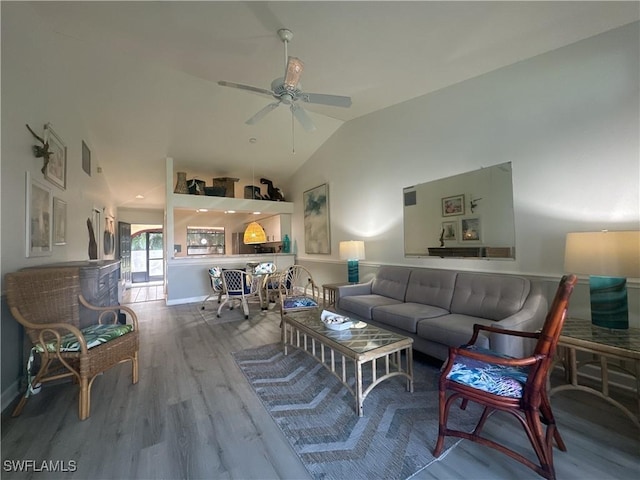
[[605, 343], [99, 283]]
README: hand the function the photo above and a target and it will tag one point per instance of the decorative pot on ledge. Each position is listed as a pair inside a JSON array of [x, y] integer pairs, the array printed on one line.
[[181, 184]]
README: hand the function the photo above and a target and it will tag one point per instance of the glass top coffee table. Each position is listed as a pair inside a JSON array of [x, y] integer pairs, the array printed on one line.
[[360, 358]]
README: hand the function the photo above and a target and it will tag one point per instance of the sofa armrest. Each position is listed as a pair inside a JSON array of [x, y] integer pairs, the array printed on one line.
[[530, 319], [357, 289]]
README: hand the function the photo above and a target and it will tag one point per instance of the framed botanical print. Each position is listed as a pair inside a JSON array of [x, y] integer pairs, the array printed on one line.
[[38, 218], [470, 229], [317, 238], [55, 169], [453, 205], [450, 231], [59, 222]]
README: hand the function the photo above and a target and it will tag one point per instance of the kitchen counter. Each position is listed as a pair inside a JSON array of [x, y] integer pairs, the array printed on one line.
[[187, 279], [250, 257]]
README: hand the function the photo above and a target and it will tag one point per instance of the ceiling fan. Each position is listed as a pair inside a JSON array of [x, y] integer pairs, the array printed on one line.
[[287, 90]]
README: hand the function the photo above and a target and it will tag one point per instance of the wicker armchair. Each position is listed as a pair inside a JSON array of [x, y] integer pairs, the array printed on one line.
[[46, 302]]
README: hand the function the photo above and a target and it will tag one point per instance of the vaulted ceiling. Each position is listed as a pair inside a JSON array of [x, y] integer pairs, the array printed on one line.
[[146, 73]]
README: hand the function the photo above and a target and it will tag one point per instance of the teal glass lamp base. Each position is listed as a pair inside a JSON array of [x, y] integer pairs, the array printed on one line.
[[352, 269], [609, 307]]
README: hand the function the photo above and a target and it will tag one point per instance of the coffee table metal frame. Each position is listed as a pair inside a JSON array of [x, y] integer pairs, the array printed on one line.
[[333, 349]]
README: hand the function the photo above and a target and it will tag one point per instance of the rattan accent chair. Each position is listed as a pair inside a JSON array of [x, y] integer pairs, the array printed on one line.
[[46, 302], [297, 290], [517, 386]]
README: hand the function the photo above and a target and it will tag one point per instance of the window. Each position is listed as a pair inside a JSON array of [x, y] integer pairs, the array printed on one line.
[[205, 240]]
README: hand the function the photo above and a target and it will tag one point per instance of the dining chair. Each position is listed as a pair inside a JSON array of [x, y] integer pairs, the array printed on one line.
[[517, 386], [215, 280], [239, 286]]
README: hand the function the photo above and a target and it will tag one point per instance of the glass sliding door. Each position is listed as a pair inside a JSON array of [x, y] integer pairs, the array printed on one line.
[[155, 256], [147, 256]]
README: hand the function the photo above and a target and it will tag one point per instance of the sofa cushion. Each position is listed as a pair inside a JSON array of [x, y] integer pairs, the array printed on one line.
[[431, 287], [361, 305], [453, 329], [489, 296], [391, 282], [406, 315]]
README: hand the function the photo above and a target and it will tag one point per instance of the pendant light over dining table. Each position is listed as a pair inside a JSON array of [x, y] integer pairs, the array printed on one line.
[[254, 233]]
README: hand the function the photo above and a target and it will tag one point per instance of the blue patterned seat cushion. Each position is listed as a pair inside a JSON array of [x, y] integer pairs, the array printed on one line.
[[496, 379], [94, 335], [216, 274], [299, 302]]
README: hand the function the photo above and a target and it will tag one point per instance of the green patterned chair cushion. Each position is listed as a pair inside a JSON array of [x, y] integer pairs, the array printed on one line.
[[500, 380], [94, 335]]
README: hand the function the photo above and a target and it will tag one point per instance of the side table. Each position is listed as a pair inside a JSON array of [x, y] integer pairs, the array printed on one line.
[[621, 345], [329, 293]]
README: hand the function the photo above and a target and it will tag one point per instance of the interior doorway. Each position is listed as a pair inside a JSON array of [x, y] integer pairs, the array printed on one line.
[[147, 258]]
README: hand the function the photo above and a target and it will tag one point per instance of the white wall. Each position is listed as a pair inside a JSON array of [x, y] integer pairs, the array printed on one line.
[[33, 94], [568, 122]]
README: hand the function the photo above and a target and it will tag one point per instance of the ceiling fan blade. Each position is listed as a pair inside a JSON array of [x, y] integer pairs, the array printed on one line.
[[258, 116], [322, 99], [302, 116], [245, 87], [293, 72]]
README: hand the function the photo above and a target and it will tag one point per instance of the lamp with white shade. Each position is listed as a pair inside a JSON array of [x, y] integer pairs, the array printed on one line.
[[352, 251], [609, 258]]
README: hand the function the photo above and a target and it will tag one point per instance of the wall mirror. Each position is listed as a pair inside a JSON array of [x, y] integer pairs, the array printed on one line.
[[465, 216]]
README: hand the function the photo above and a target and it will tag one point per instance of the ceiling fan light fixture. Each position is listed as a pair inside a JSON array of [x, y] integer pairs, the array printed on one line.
[[293, 73]]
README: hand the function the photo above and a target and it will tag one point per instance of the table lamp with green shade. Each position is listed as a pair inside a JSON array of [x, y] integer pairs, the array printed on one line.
[[609, 258]]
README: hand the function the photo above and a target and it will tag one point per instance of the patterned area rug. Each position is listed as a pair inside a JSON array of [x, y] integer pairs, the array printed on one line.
[[393, 440]]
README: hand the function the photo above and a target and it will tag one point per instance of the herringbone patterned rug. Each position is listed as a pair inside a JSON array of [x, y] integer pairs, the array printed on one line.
[[393, 440]]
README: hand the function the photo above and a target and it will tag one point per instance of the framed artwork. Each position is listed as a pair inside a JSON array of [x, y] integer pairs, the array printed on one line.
[[38, 218], [317, 238], [59, 222], [449, 230], [453, 206], [470, 229], [86, 159], [56, 168]]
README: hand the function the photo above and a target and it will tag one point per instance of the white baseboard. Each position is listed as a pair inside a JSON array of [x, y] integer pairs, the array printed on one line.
[[181, 301]]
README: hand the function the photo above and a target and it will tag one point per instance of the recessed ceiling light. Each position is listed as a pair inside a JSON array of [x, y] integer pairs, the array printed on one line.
[[230, 211], [139, 196], [257, 213], [253, 140], [202, 210]]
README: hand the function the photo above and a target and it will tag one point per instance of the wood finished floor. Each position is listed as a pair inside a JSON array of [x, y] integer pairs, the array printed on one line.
[[143, 292], [193, 415]]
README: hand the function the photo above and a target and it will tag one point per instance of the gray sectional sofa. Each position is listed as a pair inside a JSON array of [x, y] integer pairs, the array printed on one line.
[[438, 308]]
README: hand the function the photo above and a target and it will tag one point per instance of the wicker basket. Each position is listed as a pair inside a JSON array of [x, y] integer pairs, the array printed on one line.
[[228, 183]]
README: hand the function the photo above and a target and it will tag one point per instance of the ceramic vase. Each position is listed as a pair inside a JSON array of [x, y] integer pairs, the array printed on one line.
[[181, 184]]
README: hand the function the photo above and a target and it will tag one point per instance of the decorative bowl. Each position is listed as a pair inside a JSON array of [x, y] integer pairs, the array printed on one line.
[[333, 321]]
